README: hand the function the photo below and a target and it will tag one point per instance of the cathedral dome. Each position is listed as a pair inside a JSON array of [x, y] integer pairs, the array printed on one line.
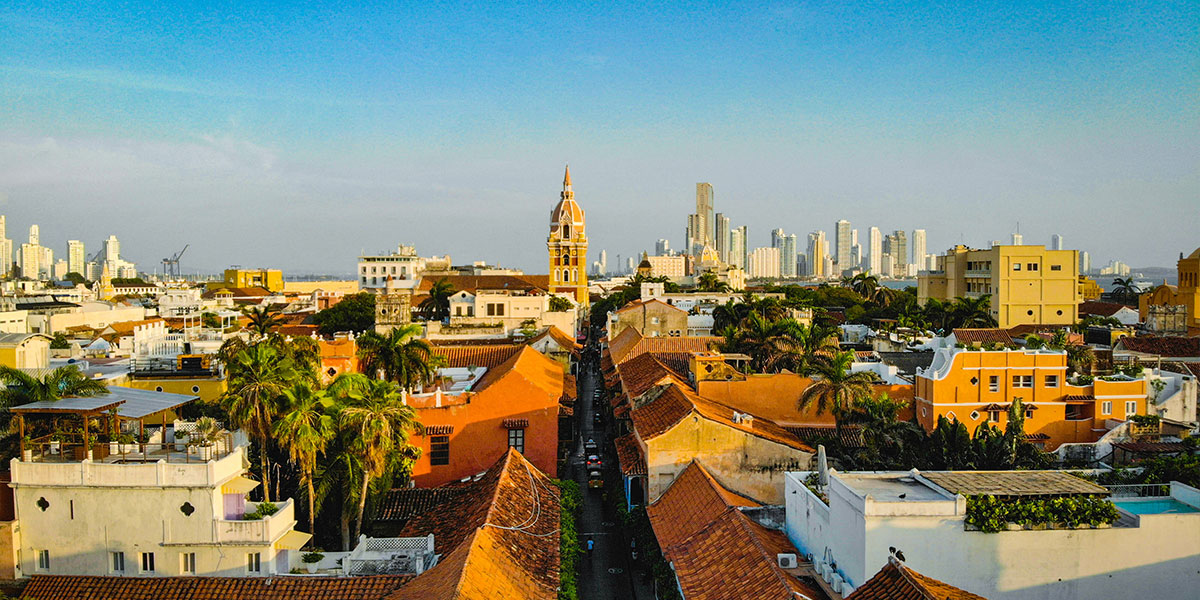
[[566, 219]]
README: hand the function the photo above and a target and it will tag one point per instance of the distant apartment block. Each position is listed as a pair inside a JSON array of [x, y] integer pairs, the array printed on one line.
[[1027, 284]]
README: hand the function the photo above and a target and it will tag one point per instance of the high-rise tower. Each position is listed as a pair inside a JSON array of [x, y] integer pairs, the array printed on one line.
[[567, 246]]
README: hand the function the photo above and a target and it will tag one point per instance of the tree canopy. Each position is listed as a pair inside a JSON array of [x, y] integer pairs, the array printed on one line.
[[356, 312]]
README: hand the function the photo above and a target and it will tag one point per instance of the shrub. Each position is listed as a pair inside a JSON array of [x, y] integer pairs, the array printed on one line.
[[991, 514], [570, 504], [312, 557]]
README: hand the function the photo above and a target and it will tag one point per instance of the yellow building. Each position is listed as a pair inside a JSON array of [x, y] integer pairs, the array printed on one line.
[[25, 350], [1027, 284], [1089, 289], [567, 246], [1165, 297], [270, 279]]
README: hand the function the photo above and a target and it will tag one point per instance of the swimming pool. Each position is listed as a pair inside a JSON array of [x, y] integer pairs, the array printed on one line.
[[1155, 506]]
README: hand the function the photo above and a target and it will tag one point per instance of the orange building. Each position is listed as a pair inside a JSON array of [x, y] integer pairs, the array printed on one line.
[[339, 355], [976, 386], [475, 414]]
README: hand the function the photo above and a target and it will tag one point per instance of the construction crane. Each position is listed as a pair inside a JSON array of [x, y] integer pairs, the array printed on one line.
[[171, 265]]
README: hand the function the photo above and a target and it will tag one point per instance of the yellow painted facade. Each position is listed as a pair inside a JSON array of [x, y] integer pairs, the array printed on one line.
[[1186, 293], [25, 351], [1089, 289], [207, 389], [1028, 285], [271, 279], [567, 246], [975, 387]]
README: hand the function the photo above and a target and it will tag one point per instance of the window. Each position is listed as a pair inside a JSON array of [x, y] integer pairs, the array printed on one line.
[[1130, 408], [654, 320], [994, 416], [1055, 267], [43, 560], [1052, 381], [147, 562], [1029, 413], [1016, 266], [254, 562], [1106, 407], [994, 383], [187, 563], [1022, 381], [118, 562], [974, 415], [1032, 266], [516, 440], [439, 450]]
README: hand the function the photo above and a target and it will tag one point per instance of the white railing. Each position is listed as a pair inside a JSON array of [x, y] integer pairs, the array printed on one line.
[[1140, 490], [390, 556], [259, 531]]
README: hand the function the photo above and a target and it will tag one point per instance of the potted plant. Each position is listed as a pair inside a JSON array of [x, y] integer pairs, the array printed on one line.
[[204, 436], [126, 443], [27, 454], [311, 559]]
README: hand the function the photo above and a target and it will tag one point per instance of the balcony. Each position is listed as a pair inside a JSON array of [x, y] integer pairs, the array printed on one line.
[[144, 465], [985, 273], [260, 531], [390, 556]]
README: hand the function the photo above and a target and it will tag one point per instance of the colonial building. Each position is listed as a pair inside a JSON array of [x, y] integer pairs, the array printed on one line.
[[567, 246], [393, 308], [1175, 308]]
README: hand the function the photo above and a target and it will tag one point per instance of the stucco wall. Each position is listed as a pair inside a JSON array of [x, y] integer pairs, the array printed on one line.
[[743, 463]]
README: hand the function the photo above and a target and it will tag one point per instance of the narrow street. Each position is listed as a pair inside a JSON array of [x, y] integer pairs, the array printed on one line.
[[605, 572]]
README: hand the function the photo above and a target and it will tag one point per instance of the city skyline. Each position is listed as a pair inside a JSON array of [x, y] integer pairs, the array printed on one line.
[[1062, 116]]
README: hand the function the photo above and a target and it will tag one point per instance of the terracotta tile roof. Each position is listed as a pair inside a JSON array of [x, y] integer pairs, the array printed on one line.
[[895, 581], [1162, 346], [638, 304], [676, 401], [1013, 483], [565, 411], [629, 454], [982, 336], [560, 337], [717, 551], [123, 328], [296, 330], [851, 436], [1152, 447], [401, 504], [474, 283], [536, 368], [86, 587], [476, 356], [629, 344], [498, 538], [570, 387], [645, 371], [1099, 309]]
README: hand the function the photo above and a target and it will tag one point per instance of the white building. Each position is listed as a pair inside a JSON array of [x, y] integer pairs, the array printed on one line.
[[1056, 242], [875, 251], [842, 243], [737, 247], [673, 267], [401, 265], [764, 262], [176, 509], [6, 248], [919, 248], [1149, 552], [76, 257]]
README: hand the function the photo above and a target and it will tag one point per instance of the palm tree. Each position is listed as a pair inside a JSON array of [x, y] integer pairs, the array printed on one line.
[[888, 442], [373, 412], [263, 319], [729, 314], [973, 312], [399, 355], [257, 377], [837, 389], [709, 282], [437, 306], [1080, 358], [63, 382], [937, 314], [1125, 289], [305, 428]]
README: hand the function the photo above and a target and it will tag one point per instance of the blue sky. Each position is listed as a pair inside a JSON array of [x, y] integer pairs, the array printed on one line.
[[299, 135]]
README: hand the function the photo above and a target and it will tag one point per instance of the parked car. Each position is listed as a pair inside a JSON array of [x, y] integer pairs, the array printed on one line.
[[594, 462], [595, 480], [591, 446], [596, 420]]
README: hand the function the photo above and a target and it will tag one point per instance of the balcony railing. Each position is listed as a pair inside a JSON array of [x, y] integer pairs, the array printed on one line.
[[391, 556], [258, 531], [1140, 490], [979, 273]]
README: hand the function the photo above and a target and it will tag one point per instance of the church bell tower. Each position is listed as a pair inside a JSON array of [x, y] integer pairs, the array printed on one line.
[[567, 246]]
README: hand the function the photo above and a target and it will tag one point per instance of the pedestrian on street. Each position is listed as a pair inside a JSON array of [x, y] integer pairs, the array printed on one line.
[[590, 544]]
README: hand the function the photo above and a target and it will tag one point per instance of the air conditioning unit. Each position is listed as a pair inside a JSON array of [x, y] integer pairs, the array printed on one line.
[[835, 583], [822, 567], [786, 561], [828, 574]]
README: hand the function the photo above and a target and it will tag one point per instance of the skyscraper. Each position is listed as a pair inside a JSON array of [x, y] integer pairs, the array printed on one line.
[[737, 247], [76, 257], [604, 262], [764, 262], [112, 249], [918, 248], [704, 212], [777, 238], [899, 254], [6, 245], [875, 251], [1085, 262], [816, 254], [722, 234], [1056, 242], [662, 247], [842, 244], [34, 236], [787, 256]]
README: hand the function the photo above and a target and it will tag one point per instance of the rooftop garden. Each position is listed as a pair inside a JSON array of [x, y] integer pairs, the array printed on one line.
[[990, 514]]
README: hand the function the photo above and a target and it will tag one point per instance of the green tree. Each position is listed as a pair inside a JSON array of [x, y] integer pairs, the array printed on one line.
[[400, 355], [77, 279], [837, 389], [64, 382], [888, 443], [972, 312], [263, 319], [1125, 289], [257, 376], [355, 312], [374, 414], [437, 306], [560, 304], [210, 320], [710, 282], [304, 428], [60, 342]]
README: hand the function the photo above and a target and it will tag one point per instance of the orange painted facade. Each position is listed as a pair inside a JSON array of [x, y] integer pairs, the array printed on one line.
[[520, 394], [977, 387], [337, 356], [775, 397]]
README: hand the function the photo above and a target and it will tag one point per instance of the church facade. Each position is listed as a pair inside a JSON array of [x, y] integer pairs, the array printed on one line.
[[567, 246]]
